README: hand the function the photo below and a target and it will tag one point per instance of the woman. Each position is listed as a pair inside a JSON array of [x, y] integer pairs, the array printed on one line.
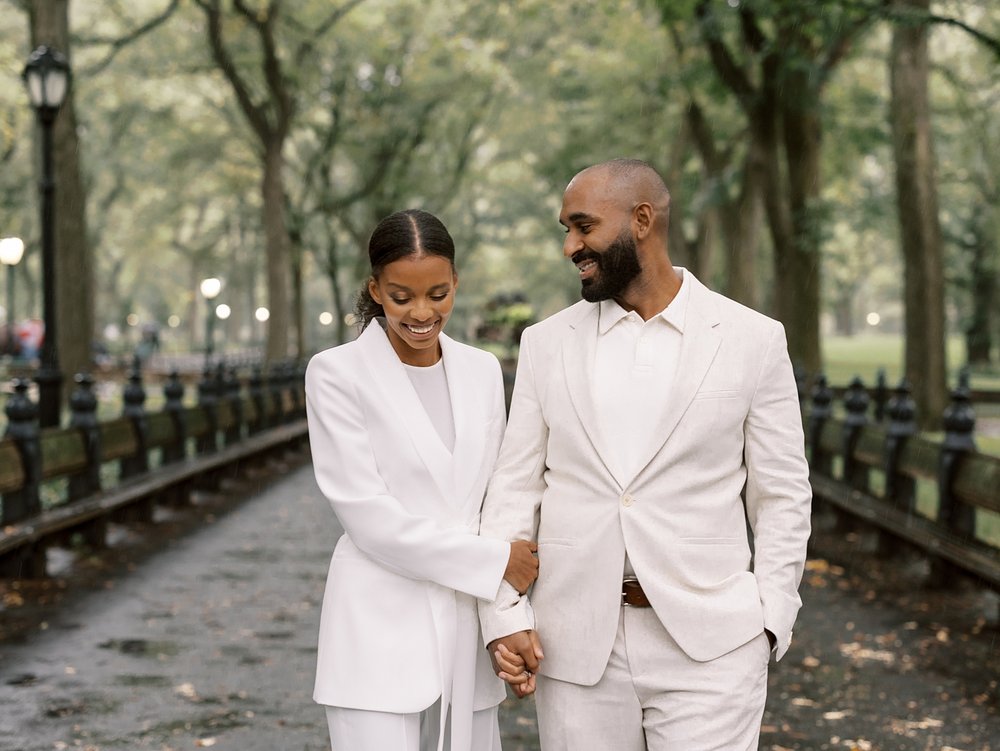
[[404, 425]]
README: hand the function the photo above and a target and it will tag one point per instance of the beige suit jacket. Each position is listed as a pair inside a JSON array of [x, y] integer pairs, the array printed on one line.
[[732, 428]]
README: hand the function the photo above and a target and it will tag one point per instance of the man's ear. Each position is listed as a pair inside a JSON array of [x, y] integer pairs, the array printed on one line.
[[642, 215]]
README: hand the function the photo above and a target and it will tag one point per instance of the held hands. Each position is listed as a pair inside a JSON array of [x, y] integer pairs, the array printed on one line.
[[515, 660], [522, 565]]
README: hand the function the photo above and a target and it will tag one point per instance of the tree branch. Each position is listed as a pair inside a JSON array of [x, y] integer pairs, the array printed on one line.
[[729, 72], [119, 43], [255, 113], [328, 23]]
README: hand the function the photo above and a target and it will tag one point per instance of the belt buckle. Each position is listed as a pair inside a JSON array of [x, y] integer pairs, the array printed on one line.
[[628, 580]]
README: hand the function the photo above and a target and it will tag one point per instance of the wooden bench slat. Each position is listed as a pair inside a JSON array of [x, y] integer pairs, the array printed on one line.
[[118, 439], [11, 471], [195, 422], [976, 558], [63, 453], [227, 417], [162, 431], [978, 480]]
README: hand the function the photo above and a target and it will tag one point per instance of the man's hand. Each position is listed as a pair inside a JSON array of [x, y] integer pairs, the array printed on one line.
[[522, 565], [515, 660]]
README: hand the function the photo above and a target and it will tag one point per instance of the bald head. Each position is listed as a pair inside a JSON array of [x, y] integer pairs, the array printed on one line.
[[629, 182]]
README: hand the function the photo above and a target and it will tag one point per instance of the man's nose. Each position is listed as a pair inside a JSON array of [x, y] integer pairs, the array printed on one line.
[[571, 244]]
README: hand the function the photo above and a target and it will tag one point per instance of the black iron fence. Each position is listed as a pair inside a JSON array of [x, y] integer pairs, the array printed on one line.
[[940, 496], [71, 480]]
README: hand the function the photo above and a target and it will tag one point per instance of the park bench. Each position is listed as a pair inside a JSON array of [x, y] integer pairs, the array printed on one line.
[[192, 446], [936, 497]]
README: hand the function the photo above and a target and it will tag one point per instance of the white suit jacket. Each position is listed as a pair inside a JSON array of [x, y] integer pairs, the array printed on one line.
[[399, 626], [732, 424]]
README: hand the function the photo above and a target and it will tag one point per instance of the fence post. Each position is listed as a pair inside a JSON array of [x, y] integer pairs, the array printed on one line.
[[83, 417], [856, 400], [173, 392], [258, 399], [134, 410], [801, 378], [959, 424], [900, 489], [22, 427], [296, 374], [231, 387], [880, 395], [208, 400], [822, 399], [277, 399]]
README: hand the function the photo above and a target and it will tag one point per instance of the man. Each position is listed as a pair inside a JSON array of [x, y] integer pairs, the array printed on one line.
[[641, 419]]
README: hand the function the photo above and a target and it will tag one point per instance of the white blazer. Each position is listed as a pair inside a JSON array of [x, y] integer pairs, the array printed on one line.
[[732, 424], [399, 626]]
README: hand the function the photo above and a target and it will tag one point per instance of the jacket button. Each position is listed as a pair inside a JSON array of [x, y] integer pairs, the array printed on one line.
[[627, 500]]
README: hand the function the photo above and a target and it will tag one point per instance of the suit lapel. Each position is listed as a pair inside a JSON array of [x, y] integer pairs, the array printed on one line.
[[395, 389], [699, 345], [578, 364]]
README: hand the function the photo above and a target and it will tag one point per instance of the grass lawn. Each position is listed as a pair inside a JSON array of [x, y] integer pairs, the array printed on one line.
[[847, 356]]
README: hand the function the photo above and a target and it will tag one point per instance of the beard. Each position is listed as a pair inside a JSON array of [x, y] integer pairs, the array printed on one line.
[[617, 266]]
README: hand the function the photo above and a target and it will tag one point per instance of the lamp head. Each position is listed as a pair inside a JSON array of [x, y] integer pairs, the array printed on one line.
[[11, 250], [46, 76], [210, 288]]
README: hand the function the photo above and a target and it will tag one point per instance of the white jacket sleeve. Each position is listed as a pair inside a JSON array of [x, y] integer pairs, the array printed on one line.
[[778, 493], [510, 511], [408, 544]]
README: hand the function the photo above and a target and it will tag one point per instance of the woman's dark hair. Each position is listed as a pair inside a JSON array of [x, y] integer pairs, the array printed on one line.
[[405, 233]]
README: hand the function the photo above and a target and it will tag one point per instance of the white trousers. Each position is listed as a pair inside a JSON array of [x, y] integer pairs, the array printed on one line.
[[362, 730], [653, 697]]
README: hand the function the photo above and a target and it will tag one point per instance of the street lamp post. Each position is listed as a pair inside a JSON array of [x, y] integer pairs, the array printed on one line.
[[11, 250], [210, 289], [47, 76]]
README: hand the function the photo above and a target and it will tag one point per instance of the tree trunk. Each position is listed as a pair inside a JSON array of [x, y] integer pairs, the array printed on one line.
[[74, 276], [799, 272], [741, 226], [796, 285], [276, 237], [979, 331], [917, 204]]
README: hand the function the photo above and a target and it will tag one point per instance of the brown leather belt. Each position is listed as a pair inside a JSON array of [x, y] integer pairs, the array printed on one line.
[[632, 594]]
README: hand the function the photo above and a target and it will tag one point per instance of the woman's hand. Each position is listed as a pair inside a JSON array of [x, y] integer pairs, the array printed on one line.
[[522, 565]]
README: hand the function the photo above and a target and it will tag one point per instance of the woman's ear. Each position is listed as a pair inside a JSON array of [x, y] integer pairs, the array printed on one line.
[[373, 290]]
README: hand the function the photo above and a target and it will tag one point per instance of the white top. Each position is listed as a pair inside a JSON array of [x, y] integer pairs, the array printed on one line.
[[431, 384], [634, 367]]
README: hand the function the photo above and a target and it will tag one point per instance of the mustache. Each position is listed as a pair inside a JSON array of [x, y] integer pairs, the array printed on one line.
[[585, 255]]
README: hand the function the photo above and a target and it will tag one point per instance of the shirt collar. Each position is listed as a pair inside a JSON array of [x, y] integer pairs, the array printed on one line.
[[675, 313]]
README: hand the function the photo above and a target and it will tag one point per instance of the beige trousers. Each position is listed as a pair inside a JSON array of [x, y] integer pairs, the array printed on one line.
[[361, 730], [653, 697]]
